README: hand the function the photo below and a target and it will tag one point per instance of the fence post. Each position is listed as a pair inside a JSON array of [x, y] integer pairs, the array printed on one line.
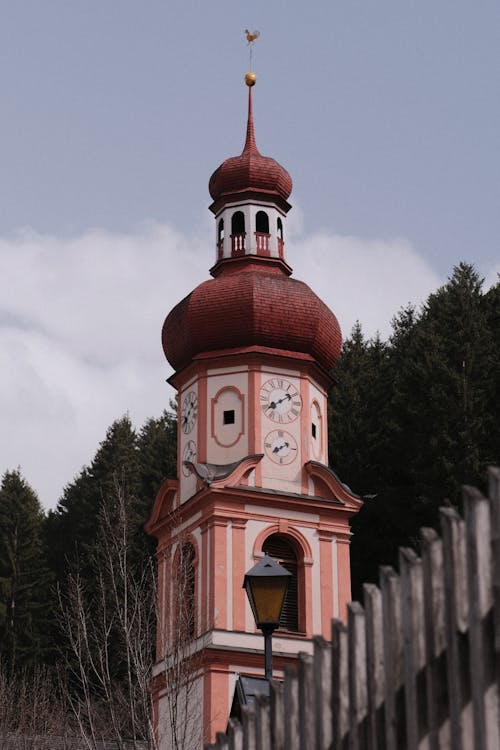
[[235, 735], [457, 665], [248, 718], [291, 691], [372, 599], [393, 659], [322, 659], [357, 675], [412, 607], [481, 630], [221, 741], [340, 676], [262, 722], [435, 640], [277, 704], [306, 702]]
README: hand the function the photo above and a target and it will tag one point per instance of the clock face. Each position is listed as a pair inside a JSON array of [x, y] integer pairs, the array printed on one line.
[[189, 412], [280, 400], [188, 454], [280, 447]]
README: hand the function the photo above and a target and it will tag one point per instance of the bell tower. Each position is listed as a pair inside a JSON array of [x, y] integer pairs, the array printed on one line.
[[253, 350]]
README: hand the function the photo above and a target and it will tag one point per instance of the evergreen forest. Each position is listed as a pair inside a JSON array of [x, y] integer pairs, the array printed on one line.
[[411, 419]]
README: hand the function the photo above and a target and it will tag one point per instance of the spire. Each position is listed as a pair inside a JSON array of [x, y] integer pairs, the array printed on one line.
[[250, 145]]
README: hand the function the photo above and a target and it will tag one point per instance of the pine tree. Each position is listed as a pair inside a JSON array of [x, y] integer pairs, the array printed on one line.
[[24, 578]]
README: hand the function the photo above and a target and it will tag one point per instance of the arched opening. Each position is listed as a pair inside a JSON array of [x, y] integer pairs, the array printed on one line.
[[279, 547], [262, 222], [185, 585], [262, 232], [280, 237], [238, 222], [220, 238], [238, 233]]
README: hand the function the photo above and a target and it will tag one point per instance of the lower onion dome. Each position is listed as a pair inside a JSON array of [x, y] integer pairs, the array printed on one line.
[[251, 306]]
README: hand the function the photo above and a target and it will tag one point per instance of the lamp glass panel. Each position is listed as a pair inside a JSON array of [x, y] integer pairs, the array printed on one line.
[[268, 595]]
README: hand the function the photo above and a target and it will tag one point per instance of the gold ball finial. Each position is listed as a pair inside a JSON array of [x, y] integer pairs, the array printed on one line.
[[250, 79]]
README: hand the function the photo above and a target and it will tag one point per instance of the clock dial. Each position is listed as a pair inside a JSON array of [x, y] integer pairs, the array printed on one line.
[[189, 412], [280, 447], [280, 400], [188, 454]]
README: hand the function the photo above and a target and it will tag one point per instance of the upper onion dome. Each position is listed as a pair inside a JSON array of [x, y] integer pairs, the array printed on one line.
[[251, 305], [250, 172]]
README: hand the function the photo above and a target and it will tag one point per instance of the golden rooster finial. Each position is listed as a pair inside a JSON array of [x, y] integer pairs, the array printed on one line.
[[252, 36]]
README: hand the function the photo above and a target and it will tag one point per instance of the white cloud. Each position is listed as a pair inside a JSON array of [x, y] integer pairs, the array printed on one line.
[[80, 322], [365, 280]]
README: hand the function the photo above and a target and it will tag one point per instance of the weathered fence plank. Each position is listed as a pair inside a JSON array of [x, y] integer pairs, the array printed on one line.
[[481, 629], [277, 715], [248, 719], [438, 724], [262, 723], [292, 738], [393, 659], [322, 662], [412, 602], [306, 702], [372, 599], [340, 676], [494, 498], [235, 735], [357, 676], [455, 586]]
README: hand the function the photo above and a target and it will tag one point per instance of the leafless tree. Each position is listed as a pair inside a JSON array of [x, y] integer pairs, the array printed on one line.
[[32, 706], [109, 628], [113, 621]]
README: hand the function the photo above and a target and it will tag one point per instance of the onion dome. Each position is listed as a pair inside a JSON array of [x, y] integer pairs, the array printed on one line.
[[251, 305], [250, 172]]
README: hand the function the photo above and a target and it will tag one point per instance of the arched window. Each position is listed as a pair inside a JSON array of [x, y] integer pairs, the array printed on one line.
[[238, 233], [220, 238], [262, 222], [280, 229], [184, 583], [280, 548], [280, 237], [238, 223]]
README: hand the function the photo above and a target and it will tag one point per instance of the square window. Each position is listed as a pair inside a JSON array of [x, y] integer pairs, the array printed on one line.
[[313, 430], [228, 417]]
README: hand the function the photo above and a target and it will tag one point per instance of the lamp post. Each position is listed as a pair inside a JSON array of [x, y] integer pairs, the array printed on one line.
[[266, 585]]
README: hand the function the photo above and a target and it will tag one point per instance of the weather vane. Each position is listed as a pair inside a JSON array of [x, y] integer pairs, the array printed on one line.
[[252, 37]]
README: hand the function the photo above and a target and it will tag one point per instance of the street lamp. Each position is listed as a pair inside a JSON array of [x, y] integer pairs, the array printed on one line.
[[266, 585]]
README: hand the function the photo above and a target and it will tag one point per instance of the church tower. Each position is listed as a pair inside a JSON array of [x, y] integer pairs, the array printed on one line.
[[253, 351]]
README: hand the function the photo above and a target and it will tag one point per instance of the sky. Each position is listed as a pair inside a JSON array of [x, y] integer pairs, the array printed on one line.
[[114, 116]]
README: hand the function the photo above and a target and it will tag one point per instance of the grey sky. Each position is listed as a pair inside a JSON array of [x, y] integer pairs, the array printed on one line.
[[386, 113], [114, 115]]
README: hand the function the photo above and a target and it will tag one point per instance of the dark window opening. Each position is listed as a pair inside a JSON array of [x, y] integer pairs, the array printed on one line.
[[262, 222], [280, 229], [313, 430], [278, 547], [220, 236], [238, 223], [228, 416]]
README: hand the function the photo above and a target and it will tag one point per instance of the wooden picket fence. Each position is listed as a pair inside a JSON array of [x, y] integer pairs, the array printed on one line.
[[418, 667]]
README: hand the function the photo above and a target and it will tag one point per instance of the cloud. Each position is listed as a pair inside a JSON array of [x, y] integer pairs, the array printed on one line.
[[80, 322], [365, 280]]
